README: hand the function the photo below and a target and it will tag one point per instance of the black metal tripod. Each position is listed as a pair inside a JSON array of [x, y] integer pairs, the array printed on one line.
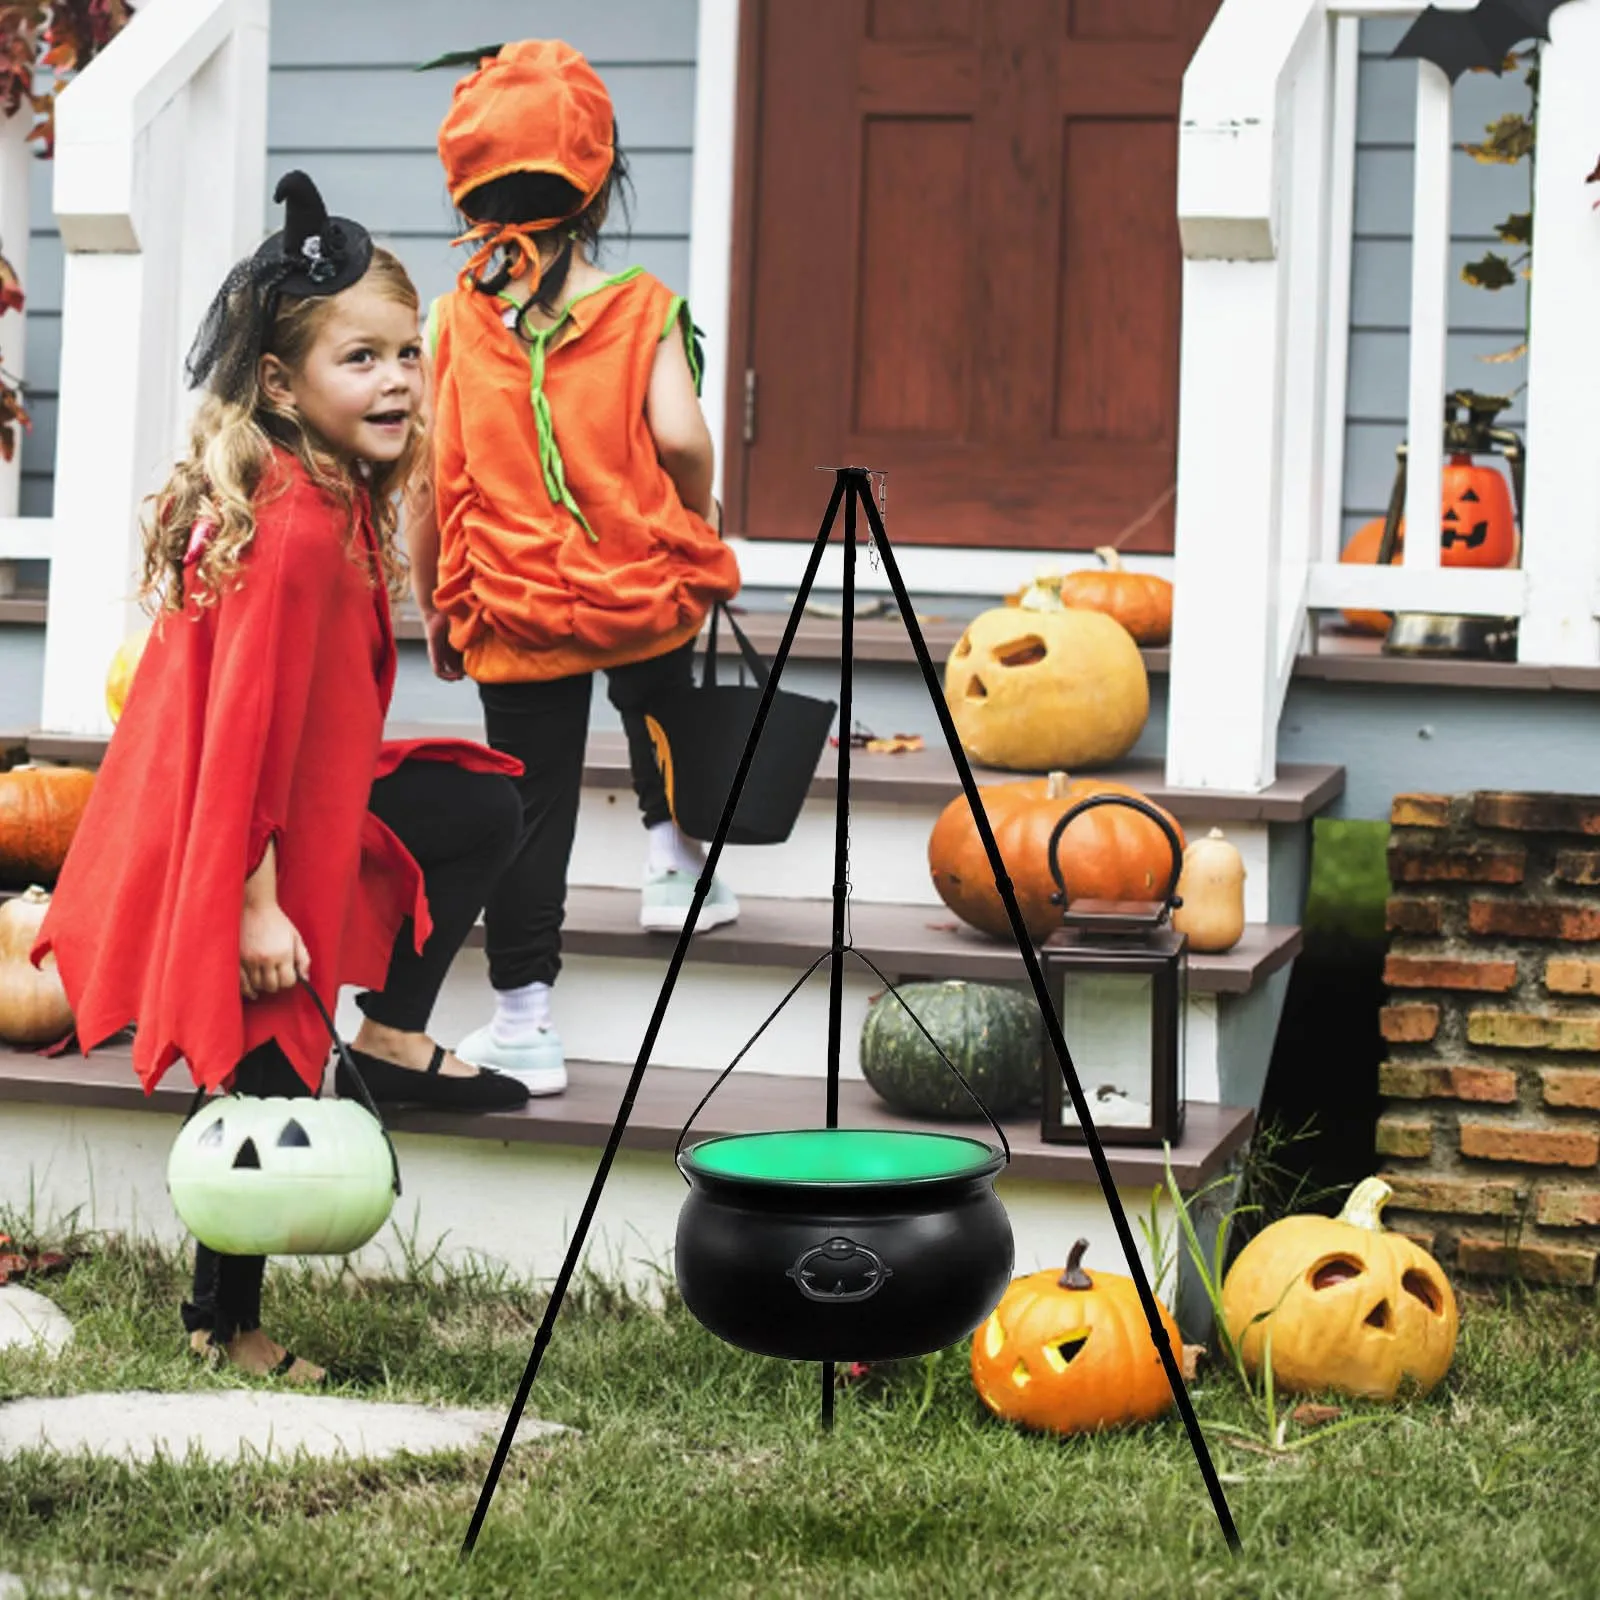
[[852, 488]]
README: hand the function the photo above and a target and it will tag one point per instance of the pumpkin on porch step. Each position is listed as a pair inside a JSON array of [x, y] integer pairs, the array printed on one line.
[[1362, 550], [1140, 601], [33, 1005], [1036, 690], [990, 1034], [1351, 1306], [1110, 853], [1211, 890], [1069, 1352], [40, 808], [124, 664]]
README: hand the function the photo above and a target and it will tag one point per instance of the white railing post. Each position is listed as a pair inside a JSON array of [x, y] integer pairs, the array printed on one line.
[[1430, 319], [16, 169], [1561, 524], [151, 187], [1224, 691]]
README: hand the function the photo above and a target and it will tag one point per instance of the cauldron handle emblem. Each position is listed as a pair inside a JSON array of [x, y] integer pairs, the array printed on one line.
[[839, 1271]]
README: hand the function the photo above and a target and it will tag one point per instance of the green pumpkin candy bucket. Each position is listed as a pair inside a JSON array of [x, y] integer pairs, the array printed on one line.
[[279, 1177]]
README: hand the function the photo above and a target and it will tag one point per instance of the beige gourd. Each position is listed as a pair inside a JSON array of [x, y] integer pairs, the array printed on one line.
[[33, 1005], [1212, 891]]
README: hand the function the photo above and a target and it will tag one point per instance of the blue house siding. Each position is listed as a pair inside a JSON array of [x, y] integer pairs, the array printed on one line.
[[345, 104], [1481, 323]]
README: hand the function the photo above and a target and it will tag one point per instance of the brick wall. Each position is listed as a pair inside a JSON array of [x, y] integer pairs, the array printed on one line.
[[1490, 1132]]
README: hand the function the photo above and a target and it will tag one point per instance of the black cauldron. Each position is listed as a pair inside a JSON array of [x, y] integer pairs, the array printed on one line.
[[842, 1244]]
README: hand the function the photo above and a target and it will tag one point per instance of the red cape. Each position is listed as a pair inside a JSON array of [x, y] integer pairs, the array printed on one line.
[[257, 718]]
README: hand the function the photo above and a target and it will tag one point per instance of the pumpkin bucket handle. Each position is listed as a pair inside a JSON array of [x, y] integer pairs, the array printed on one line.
[[345, 1059], [1169, 895]]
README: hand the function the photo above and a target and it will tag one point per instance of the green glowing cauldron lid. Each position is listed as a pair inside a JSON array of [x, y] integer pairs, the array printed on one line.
[[841, 1157]]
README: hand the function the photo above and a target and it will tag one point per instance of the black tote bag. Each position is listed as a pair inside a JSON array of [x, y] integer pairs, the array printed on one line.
[[699, 734]]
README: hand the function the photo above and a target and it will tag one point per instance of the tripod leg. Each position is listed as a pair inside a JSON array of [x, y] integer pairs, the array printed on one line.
[[860, 489], [580, 1234]]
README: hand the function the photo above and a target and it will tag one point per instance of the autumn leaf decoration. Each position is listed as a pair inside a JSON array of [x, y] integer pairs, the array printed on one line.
[[57, 38]]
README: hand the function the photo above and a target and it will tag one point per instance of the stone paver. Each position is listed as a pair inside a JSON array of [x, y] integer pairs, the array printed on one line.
[[29, 1319], [225, 1424]]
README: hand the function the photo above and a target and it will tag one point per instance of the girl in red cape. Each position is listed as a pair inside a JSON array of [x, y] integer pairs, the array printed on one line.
[[250, 832]]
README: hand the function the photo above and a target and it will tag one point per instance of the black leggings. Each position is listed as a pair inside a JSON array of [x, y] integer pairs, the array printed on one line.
[[546, 727], [461, 827]]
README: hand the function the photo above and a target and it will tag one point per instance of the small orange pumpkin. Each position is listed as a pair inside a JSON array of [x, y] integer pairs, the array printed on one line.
[[1351, 1306], [1110, 853], [1362, 550], [1070, 1352], [1140, 601], [33, 1005], [40, 809], [1478, 527]]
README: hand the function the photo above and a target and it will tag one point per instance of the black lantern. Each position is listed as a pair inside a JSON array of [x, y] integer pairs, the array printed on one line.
[[1117, 973]]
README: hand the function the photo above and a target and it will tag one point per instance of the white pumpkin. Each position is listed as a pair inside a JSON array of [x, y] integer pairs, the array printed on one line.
[[280, 1177]]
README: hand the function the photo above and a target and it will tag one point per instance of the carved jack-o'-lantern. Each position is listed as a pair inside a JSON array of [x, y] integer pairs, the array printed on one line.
[[1037, 690], [1478, 527], [1069, 1352], [273, 1176], [1351, 1306]]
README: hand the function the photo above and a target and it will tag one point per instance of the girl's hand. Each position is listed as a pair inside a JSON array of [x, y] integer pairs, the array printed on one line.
[[271, 952], [444, 657]]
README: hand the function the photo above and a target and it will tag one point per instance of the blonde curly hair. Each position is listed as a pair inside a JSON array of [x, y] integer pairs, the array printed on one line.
[[230, 445]]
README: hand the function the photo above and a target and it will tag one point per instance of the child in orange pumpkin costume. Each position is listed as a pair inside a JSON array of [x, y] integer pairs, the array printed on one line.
[[571, 526]]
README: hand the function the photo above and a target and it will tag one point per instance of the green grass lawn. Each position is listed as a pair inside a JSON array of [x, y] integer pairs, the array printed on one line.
[[701, 1471]]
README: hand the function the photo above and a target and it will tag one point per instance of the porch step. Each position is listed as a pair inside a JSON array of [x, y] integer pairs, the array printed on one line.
[[584, 1115], [924, 777], [907, 942]]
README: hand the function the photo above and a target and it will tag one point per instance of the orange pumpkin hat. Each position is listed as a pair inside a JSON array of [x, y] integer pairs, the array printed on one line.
[[536, 106]]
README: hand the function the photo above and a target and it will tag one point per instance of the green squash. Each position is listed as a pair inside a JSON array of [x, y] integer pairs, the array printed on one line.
[[989, 1033]]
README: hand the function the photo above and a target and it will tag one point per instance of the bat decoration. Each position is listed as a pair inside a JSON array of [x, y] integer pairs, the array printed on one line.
[[1461, 41]]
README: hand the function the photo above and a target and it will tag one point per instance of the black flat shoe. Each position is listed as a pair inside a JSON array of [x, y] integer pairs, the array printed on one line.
[[392, 1085]]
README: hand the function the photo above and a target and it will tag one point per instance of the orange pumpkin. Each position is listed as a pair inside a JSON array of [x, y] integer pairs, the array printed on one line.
[[40, 808], [1478, 527], [33, 1005], [1110, 853], [1362, 550], [1070, 1352], [1140, 601]]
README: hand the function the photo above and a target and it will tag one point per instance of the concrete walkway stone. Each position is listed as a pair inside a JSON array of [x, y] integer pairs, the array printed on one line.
[[227, 1424], [29, 1319]]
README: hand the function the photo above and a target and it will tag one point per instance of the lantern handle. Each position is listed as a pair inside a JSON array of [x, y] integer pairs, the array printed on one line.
[[1169, 896]]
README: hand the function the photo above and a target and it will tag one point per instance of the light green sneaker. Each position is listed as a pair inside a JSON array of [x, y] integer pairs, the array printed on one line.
[[667, 897], [541, 1064]]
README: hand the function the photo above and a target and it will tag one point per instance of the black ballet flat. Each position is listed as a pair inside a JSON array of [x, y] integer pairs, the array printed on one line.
[[392, 1085]]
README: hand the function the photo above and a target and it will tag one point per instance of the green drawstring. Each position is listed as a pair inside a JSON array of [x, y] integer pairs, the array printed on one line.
[[550, 462]]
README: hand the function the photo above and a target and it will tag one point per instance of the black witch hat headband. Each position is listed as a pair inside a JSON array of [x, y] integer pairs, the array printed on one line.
[[312, 254]]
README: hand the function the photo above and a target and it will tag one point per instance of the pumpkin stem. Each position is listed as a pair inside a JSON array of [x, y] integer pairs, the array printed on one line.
[[1075, 1277], [1365, 1206], [1056, 786], [1216, 833], [33, 895], [1109, 557]]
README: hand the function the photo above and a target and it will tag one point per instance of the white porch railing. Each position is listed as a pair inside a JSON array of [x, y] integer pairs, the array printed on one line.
[[1266, 184], [159, 188]]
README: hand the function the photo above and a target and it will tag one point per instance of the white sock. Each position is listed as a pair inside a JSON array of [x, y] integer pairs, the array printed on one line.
[[670, 851], [519, 1014]]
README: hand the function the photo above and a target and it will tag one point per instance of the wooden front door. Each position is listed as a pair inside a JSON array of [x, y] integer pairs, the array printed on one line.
[[959, 261]]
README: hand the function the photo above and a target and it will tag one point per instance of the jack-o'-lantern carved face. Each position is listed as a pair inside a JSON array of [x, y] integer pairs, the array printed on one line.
[[1478, 527], [1351, 1306], [1035, 691], [1070, 1352], [281, 1177]]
